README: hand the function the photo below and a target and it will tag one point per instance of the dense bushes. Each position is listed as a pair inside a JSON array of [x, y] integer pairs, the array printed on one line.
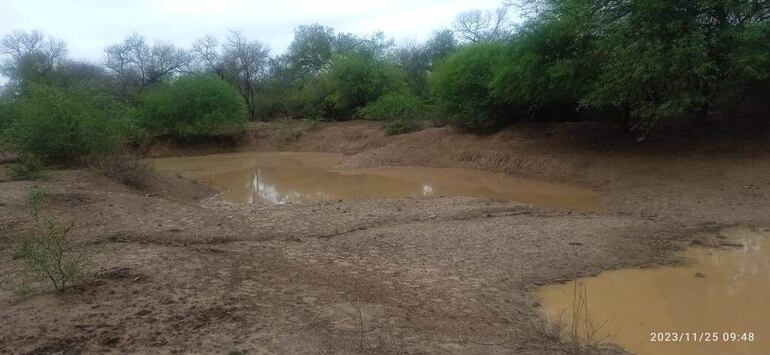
[[359, 78], [190, 106], [545, 71], [461, 84], [642, 63], [393, 106], [5, 116], [312, 100], [64, 124]]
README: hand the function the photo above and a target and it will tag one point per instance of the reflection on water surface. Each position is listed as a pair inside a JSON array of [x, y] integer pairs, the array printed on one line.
[[296, 177], [721, 290]]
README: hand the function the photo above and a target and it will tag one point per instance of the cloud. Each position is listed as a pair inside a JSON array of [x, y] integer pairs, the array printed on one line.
[[89, 26]]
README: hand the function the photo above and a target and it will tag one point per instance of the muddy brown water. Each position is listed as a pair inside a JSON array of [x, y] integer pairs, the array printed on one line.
[[723, 291], [283, 177]]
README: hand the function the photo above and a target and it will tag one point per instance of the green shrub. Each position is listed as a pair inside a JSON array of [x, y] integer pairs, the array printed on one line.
[[5, 116], [28, 168], [47, 249], [50, 254], [357, 79], [310, 100], [270, 101], [461, 86], [393, 106], [63, 125], [545, 71], [201, 105], [35, 198], [401, 126]]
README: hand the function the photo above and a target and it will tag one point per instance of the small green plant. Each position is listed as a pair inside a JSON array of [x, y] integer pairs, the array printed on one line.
[[22, 290], [28, 168], [35, 197], [47, 249], [400, 126], [49, 253]]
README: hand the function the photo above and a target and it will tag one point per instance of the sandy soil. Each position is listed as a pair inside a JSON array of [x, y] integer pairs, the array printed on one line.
[[176, 269]]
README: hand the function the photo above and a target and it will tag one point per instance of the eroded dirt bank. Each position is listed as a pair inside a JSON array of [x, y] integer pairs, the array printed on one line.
[[178, 269]]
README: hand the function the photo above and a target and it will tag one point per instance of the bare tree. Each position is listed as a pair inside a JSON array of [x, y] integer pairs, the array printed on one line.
[[247, 63], [482, 26], [242, 62], [30, 53], [138, 63], [207, 57]]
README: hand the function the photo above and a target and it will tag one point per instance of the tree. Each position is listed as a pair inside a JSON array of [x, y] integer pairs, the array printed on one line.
[[375, 45], [359, 78], [672, 60], [482, 26], [30, 55], [547, 69], [461, 86], [242, 62], [207, 57], [246, 62], [138, 64], [311, 50], [442, 44], [415, 59]]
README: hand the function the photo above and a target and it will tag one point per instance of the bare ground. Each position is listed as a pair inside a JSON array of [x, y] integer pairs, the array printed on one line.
[[178, 270]]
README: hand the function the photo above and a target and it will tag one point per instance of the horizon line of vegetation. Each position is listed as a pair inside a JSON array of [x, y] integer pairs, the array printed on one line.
[[643, 64]]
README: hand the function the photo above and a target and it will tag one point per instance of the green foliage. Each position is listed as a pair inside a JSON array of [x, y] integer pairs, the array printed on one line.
[[35, 198], [28, 168], [65, 124], [393, 106], [663, 61], [312, 100], [47, 250], [461, 85], [270, 100], [358, 79], [645, 63], [200, 105], [50, 254], [545, 70], [311, 51], [5, 115], [401, 126]]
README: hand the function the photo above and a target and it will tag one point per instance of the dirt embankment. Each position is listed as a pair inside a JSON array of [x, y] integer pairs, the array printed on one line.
[[690, 177], [178, 270]]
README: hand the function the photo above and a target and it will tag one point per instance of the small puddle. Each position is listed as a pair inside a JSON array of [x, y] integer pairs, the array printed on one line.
[[730, 294], [295, 177]]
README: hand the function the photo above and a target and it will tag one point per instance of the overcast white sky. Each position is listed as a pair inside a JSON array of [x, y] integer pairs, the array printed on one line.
[[89, 26]]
